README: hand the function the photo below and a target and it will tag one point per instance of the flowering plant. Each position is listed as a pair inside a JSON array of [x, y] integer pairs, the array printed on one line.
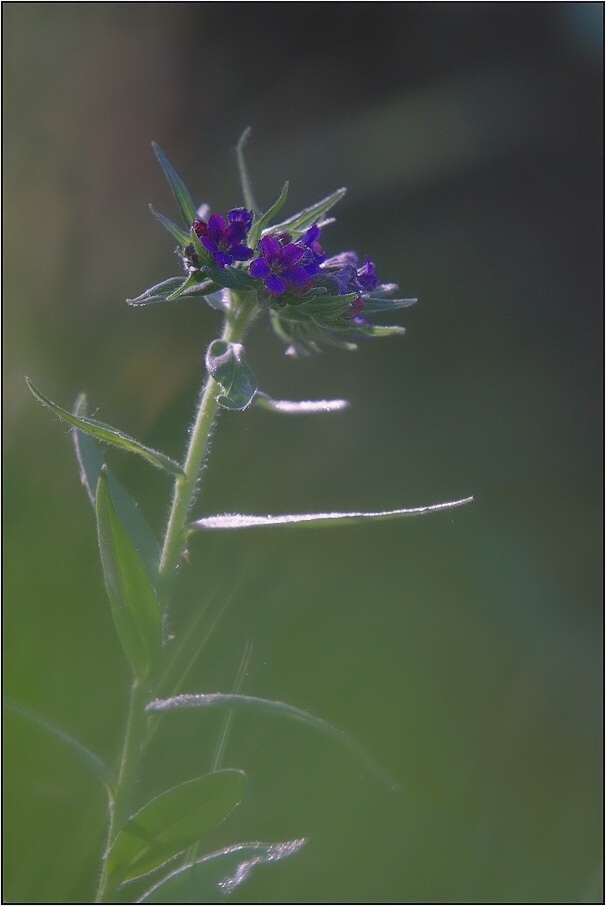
[[242, 265]]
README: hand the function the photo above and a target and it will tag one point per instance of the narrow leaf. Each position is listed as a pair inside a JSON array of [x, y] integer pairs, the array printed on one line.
[[252, 703], [158, 293], [172, 822], [194, 282], [372, 304], [226, 364], [178, 187], [380, 330], [298, 407], [87, 759], [133, 599], [298, 223], [260, 224], [110, 435], [176, 232], [174, 288], [90, 464], [219, 873], [238, 521], [247, 192]]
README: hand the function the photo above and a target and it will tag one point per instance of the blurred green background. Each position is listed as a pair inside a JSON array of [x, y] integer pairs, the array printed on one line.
[[461, 650]]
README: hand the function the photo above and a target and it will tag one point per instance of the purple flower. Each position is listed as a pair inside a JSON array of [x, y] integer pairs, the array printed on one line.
[[314, 253], [281, 267], [225, 241], [349, 278], [367, 278]]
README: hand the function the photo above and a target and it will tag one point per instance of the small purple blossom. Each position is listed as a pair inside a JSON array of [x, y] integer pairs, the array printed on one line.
[[225, 240], [349, 278], [314, 253], [280, 266], [367, 278]]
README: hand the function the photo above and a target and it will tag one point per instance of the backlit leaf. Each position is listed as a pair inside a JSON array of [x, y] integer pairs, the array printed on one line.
[[178, 187], [133, 598], [172, 822], [110, 435], [91, 762], [298, 407], [239, 521], [300, 222], [90, 464], [211, 878]]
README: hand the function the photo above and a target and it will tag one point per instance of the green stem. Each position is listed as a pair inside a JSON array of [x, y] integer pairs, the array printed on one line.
[[240, 316], [120, 804], [185, 485]]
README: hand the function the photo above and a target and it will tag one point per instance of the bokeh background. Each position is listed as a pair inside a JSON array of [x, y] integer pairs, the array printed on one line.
[[461, 650]]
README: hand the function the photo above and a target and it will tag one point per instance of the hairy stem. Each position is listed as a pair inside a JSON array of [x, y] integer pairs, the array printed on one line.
[[238, 319], [185, 485], [120, 804]]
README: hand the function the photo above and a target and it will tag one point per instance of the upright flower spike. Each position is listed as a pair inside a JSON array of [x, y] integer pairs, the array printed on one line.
[[225, 240]]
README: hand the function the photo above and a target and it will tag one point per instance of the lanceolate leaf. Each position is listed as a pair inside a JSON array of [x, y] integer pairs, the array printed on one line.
[[298, 223], [252, 703], [245, 182], [226, 364], [172, 822], [90, 464], [238, 521], [133, 599], [298, 407], [217, 874], [110, 435], [87, 759], [174, 288], [179, 189], [260, 224], [180, 235]]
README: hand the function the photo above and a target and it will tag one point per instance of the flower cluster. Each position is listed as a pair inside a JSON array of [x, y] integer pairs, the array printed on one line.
[[284, 266], [311, 299]]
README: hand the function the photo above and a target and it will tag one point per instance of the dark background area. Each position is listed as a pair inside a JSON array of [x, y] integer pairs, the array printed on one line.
[[463, 650]]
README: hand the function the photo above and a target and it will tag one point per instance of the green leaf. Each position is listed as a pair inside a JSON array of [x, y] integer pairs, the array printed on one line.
[[158, 293], [180, 235], [133, 599], [226, 364], [237, 521], [373, 304], [260, 224], [298, 407], [298, 223], [90, 464], [252, 703], [175, 288], [247, 192], [379, 330], [195, 282], [110, 435], [172, 822], [211, 878], [178, 187], [87, 759], [232, 277]]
